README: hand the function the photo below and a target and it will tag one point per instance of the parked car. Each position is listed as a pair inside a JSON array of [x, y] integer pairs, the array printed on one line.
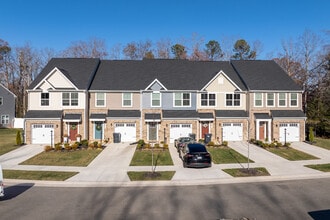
[[182, 141], [196, 155], [2, 190]]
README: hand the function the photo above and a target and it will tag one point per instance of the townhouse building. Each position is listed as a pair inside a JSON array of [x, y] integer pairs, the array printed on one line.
[[161, 100]]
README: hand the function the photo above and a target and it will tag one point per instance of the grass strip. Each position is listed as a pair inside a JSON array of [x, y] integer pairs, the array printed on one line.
[[144, 158], [244, 172], [291, 154], [37, 175], [226, 155], [320, 167], [150, 176]]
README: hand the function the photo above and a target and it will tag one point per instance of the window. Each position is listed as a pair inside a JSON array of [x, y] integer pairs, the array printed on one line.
[[270, 99], [181, 99], [155, 99], [127, 99], [281, 99], [4, 119], [1, 100], [207, 99], [258, 99], [233, 99], [70, 99], [44, 99], [293, 99], [100, 99]]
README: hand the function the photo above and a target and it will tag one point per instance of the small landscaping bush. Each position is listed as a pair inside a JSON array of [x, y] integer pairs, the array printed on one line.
[[58, 147], [18, 138], [210, 144], [48, 148], [84, 143], [225, 143], [67, 146]]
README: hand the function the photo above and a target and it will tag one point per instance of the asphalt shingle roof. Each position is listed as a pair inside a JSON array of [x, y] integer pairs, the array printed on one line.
[[264, 75], [79, 71], [37, 114], [231, 114], [124, 113], [287, 113], [173, 74], [180, 114]]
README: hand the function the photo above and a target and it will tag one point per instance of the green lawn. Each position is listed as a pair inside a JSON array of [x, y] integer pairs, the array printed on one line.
[[291, 154], [7, 140], [37, 175], [320, 167], [322, 142], [243, 172], [225, 155], [146, 176], [64, 158], [144, 158]]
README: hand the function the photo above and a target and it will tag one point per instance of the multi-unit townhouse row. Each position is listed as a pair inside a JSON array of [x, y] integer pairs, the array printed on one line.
[[161, 100]]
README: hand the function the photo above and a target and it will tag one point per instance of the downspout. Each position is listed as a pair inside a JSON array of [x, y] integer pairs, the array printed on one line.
[[141, 126]]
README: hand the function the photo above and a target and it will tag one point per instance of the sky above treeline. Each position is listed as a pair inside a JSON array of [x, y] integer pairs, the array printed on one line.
[[57, 23]]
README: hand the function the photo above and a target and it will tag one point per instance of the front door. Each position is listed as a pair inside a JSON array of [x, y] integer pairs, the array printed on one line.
[[205, 128], [98, 127], [73, 131], [152, 131], [262, 131]]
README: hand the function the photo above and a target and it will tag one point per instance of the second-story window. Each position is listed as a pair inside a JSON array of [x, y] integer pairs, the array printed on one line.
[[181, 99], [155, 99], [100, 99], [282, 99], [127, 99], [258, 99], [70, 99], [44, 99], [270, 99], [208, 99], [293, 99], [233, 99]]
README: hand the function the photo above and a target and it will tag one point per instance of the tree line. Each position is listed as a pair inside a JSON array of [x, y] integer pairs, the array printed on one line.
[[306, 59]]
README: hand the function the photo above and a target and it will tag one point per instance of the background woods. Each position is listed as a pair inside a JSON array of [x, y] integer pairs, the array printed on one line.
[[306, 59]]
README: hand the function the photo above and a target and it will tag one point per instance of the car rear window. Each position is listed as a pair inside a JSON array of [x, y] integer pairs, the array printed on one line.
[[196, 148]]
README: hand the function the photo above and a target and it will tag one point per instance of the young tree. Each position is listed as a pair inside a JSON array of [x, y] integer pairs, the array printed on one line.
[[179, 51], [213, 50], [163, 48], [242, 51]]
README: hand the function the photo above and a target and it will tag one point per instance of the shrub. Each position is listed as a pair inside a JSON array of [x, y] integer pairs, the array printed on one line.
[[279, 144], [211, 143], [157, 146], [99, 145], [252, 140], [67, 146], [165, 146], [272, 144], [18, 138], [84, 143], [48, 148], [311, 134], [287, 144], [91, 146], [75, 146], [58, 146], [95, 144]]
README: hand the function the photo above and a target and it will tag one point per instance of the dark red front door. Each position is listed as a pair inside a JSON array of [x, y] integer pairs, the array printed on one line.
[[205, 128], [73, 131]]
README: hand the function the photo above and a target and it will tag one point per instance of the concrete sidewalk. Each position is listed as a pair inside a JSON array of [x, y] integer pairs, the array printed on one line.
[[110, 167]]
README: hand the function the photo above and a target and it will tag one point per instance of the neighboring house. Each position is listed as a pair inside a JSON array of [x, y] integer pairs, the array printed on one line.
[[7, 107], [161, 100]]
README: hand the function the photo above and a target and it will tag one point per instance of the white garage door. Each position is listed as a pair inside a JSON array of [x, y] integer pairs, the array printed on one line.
[[127, 131], [232, 131], [179, 130], [289, 132], [42, 134]]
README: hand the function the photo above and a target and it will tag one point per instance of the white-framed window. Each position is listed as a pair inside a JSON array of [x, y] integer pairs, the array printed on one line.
[[282, 99], [208, 99], [45, 99], [1, 100], [155, 99], [258, 99], [70, 99], [293, 99], [270, 99], [100, 99], [233, 99], [127, 99], [181, 99], [4, 119]]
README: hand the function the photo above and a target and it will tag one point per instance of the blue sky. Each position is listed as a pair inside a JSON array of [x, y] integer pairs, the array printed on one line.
[[57, 23]]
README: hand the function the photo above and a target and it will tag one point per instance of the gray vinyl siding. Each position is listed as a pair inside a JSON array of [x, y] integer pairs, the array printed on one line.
[[167, 101], [7, 107]]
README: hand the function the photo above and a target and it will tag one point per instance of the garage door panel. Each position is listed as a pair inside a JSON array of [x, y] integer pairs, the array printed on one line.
[[42, 133], [179, 130], [232, 131], [289, 132], [127, 131]]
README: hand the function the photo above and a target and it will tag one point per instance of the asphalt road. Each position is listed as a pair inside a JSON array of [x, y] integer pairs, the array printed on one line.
[[307, 199]]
